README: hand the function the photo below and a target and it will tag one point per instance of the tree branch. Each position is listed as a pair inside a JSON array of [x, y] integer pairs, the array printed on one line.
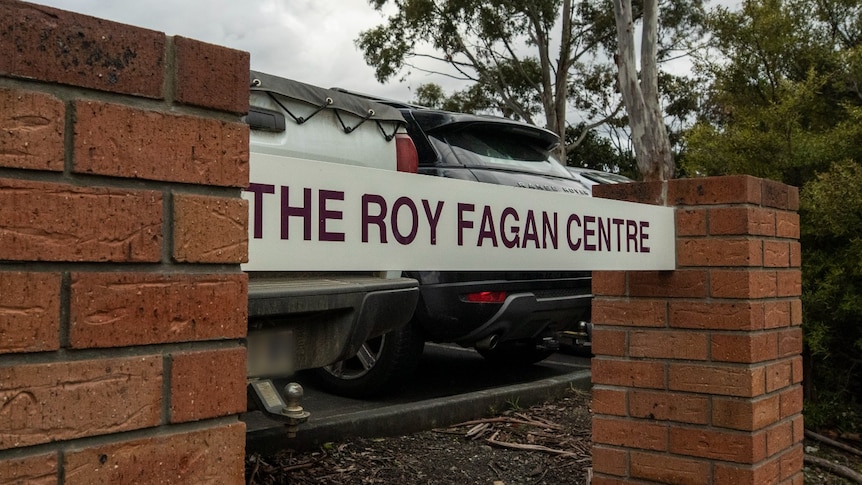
[[574, 145]]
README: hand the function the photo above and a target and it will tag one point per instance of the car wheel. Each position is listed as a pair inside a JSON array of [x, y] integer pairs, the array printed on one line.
[[511, 355], [378, 367]]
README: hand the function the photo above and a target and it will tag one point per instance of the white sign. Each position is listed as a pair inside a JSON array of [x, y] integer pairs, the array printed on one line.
[[313, 216]]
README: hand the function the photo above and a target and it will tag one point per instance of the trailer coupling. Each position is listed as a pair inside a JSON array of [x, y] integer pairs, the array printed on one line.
[[287, 409]]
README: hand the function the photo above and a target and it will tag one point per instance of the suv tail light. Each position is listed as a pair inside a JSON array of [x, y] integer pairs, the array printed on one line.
[[405, 150], [486, 297]]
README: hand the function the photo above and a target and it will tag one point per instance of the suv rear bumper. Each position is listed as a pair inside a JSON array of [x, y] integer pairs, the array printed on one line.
[[297, 324], [524, 316]]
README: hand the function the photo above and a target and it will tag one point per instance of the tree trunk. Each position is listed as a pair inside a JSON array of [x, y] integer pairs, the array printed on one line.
[[640, 96]]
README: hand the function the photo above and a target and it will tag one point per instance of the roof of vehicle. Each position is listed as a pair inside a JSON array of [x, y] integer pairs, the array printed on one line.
[[341, 100], [430, 120], [434, 120]]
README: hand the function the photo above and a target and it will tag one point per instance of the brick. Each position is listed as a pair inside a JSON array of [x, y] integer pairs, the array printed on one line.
[[778, 375], [798, 428], [67, 400], [612, 461], [777, 314], [53, 45], [787, 225], [211, 455], [210, 229], [795, 254], [669, 406], [642, 374], [745, 414], [207, 384], [123, 309], [713, 315], [755, 221], [742, 284], [779, 438], [776, 194], [29, 312], [719, 252], [122, 141], [745, 348], [726, 380], [789, 282], [791, 461], [32, 126], [796, 369], [665, 284], [58, 222], [609, 401], [663, 468], [690, 222], [630, 433], [776, 254], [790, 342], [765, 473], [640, 192], [632, 313], [732, 446], [793, 198], [735, 189], [795, 311], [668, 344], [608, 342], [609, 283], [211, 76], [791, 401], [32, 470]]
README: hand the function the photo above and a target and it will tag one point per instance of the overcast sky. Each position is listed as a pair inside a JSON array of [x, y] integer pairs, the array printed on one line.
[[306, 40]]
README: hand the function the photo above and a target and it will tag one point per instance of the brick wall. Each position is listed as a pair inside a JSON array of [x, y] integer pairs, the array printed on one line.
[[122, 304], [697, 375]]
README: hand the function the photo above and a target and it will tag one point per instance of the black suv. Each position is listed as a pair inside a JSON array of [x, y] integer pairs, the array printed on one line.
[[510, 317]]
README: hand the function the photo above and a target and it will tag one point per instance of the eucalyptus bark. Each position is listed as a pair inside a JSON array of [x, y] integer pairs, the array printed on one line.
[[640, 95]]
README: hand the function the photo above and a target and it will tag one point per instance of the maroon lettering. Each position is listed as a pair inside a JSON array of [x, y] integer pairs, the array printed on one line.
[[486, 229], [509, 243], [549, 229], [617, 225], [604, 233], [588, 231], [433, 220], [644, 236], [378, 219], [257, 217], [576, 244], [414, 217], [530, 232], [325, 214], [303, 211], [462, 224], [631, 235]]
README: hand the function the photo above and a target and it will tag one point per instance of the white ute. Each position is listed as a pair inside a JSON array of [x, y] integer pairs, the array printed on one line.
[[304, 320]]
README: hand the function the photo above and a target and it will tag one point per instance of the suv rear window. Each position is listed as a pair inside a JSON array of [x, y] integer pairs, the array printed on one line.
[[496, 149]]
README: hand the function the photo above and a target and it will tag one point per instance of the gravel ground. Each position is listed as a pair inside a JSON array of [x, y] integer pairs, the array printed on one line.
[[544, 444]]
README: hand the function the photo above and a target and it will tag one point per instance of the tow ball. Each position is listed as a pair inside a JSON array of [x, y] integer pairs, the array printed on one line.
[[288, 409]]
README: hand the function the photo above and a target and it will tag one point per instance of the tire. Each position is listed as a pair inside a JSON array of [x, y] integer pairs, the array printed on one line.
[[379, 367], [515, 355]]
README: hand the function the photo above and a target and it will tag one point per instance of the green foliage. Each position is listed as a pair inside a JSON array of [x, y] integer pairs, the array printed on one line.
[[784, 103], [513, 56]]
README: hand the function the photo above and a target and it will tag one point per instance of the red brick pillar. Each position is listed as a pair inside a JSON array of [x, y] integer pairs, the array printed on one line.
[[122, 303], [697, 371]]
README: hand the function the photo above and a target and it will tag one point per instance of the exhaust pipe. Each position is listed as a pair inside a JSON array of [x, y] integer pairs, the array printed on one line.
[[488, 343]]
